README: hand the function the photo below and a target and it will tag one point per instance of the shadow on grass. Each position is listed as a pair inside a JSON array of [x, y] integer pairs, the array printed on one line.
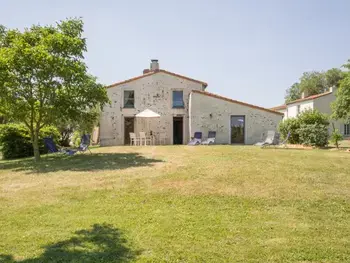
[[79, 162], [101, 243]]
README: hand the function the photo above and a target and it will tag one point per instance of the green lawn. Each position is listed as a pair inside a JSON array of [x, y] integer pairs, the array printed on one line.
[[177, 204]]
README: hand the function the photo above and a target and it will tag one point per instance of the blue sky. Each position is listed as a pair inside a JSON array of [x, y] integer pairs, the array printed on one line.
[[246, 50]]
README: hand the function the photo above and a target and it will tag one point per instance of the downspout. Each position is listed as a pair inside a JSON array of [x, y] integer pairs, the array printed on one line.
[[190, 115]]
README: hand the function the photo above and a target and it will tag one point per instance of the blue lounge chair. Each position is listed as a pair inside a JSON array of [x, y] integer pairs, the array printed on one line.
[[84, 143], [211, 138], [197, 139]]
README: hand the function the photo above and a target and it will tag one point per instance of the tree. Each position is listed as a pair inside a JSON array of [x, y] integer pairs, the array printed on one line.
[[341, 105], [312, 83], [333, 77], [293, 93], [43, 77]]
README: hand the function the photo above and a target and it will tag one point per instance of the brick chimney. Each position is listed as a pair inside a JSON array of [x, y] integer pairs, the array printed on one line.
[[154, 65]]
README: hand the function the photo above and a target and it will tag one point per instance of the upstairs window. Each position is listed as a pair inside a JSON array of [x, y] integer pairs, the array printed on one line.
[[178, 100], [346, 129], [129, 99]]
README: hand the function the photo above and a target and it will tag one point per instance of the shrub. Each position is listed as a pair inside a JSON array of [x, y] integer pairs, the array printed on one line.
[[313, 134], [16, 143], [76, 138], [336, 137], [313, 117], [291, 125]]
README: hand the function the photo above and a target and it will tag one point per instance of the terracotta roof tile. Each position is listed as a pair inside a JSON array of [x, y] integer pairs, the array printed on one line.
[[235, 101], [310, 97], [281, 107], [155, 72]]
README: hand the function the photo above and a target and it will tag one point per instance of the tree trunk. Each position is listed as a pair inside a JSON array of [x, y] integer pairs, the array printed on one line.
[[35, 142]]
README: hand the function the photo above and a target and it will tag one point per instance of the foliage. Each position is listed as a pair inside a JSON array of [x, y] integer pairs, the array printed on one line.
[[16, 143], [76, 138], [43, 77], [313, 134], [291, 125], [314, 82], [336, 137], [293, 93], [341, 106], [85, 125], [313, 117], [311, 121]]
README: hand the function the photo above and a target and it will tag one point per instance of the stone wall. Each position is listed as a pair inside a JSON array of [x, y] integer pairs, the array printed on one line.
[[152, 92], [209, 113]]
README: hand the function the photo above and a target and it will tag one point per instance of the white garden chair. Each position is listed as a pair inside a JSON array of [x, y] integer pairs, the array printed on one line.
[[133, 139], [144, 139]]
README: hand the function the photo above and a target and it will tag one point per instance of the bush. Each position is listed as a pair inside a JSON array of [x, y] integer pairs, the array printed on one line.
[[313, 117], [313, 134], [16, 143], [336, 137], [291, 125]]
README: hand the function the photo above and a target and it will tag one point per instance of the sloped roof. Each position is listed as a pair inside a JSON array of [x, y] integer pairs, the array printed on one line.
[[235, 101], [281, 107], [155, 72], [310, 97]]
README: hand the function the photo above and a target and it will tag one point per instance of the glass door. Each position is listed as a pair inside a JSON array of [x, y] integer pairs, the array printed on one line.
[[237, 129]]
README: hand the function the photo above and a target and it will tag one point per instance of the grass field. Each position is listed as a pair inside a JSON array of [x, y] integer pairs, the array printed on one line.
[[177, 204]]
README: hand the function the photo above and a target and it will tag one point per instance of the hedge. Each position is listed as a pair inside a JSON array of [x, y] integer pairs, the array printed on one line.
[[15, 140]]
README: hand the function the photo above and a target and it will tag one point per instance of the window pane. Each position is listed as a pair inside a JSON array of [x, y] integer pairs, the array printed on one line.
[[178, 101], [129, 99]]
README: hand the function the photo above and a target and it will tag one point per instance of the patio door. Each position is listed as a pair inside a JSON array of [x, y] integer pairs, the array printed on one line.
[[237, 129], [129, 124]]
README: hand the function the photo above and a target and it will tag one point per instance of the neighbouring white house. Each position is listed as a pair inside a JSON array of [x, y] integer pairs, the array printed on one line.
[[321, 102], [184, 107]]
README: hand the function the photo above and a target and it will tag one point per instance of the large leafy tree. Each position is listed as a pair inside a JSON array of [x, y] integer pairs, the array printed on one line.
[[293, 93], [43, 76], [341, 106], [314, 82]]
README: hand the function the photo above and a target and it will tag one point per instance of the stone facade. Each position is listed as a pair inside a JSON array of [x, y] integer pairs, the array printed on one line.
[[154, 92], [210, 112]]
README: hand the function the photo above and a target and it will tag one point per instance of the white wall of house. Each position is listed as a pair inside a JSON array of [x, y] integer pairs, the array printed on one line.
[[151, 92], [294, 109], [209, 113], [323, 104]]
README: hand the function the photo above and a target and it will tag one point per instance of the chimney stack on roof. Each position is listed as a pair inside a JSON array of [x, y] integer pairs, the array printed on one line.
[[154, 65]]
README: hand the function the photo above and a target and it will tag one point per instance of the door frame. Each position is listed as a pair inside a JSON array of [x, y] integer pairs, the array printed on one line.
[[244, 130], [127, 117], [183, 128]]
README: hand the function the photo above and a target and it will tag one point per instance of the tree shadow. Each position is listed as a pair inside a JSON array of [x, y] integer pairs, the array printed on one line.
[[79, 162], [101, 243]]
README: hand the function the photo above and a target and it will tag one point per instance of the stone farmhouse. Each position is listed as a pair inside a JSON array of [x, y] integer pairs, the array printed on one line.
[[184, 107], [321, 102]]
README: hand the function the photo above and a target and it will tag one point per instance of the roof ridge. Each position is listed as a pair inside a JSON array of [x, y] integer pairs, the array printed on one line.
[[310, 97], [155, 72], [236, 101]]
